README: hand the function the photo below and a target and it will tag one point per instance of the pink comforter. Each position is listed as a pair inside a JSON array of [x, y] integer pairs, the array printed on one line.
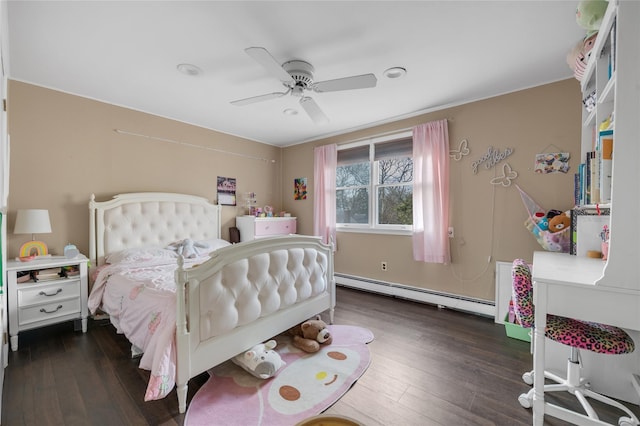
[[140, 299]]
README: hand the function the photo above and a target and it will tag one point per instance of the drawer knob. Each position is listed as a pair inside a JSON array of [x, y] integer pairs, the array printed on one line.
[[44, 311], [42, 293]]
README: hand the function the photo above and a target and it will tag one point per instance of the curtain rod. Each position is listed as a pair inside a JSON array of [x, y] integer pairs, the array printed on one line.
[[191, 145], [389, 133]]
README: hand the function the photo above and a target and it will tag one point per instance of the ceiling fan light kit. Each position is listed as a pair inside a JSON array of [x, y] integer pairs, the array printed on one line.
[[297, 77]]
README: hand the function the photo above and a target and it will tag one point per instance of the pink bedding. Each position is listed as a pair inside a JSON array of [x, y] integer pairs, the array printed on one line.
[[140, 298]]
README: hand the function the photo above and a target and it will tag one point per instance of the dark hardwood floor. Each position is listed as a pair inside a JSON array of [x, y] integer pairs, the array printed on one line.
[[429, 366]]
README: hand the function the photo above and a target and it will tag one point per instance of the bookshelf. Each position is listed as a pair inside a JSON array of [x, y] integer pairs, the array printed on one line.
[[613, 72]]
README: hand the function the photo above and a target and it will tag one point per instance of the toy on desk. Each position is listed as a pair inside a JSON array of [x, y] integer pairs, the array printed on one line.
[[604, 236]]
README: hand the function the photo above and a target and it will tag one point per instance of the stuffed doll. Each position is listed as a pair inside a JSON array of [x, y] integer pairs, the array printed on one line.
[[309, 335], [261, 360], [189, 249]]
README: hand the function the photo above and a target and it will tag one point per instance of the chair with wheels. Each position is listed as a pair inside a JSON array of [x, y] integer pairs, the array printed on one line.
[[576, 334]]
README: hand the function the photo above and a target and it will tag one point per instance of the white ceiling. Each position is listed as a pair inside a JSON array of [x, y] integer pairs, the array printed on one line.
[[126, 52]]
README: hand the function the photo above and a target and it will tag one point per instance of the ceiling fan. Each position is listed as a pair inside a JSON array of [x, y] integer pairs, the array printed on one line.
[[297, 77]]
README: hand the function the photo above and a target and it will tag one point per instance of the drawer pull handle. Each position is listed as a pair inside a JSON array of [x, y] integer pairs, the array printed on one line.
[[44, 311], [42, 293]]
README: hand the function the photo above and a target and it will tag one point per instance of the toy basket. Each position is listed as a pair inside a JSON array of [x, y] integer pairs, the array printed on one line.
[[550, 241]]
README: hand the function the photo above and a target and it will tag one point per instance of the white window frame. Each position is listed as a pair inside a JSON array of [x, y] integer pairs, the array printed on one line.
[[372, 227]]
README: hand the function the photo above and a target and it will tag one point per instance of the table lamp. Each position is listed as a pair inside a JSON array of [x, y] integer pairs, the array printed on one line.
[[33, 221]]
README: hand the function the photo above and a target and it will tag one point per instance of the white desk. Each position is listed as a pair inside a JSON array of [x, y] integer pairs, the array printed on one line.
[[565, 285]]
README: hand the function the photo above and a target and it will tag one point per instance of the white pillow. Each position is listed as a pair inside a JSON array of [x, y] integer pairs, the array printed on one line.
[[215, 244], [143, 254]]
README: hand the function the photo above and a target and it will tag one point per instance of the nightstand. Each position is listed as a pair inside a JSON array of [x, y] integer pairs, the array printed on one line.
[[36, 302]]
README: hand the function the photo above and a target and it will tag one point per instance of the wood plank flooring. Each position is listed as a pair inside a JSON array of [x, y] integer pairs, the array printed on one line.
[[429, 366]]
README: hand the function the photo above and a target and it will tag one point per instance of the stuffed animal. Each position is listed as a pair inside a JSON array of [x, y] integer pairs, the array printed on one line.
[[589, 14], [559, 222], [261, 360], [188, 248], [309, 335]]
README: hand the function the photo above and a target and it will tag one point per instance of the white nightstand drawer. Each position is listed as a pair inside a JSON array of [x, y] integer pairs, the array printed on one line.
[[277, 227], [48, 293], [48, 311], [252, 227]]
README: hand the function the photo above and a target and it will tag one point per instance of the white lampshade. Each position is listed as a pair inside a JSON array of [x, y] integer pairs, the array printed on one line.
[[32, 221]]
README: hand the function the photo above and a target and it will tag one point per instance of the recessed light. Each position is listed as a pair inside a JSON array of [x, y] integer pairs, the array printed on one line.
[[395, 72], [188, 69], [290, 111]]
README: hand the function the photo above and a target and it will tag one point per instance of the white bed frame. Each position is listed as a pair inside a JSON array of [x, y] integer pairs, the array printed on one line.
[[142, 219]]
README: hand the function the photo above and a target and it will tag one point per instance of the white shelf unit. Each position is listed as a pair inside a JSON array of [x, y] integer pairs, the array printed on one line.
[[618, 92]]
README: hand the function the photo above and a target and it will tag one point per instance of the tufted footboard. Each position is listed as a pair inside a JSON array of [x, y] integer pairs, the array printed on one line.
[[246, 294]]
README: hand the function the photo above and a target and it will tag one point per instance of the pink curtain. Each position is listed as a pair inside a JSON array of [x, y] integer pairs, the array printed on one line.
[[431, 192], [324, 190]]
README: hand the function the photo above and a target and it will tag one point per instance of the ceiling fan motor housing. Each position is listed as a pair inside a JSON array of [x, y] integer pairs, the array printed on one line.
[[301, 72]]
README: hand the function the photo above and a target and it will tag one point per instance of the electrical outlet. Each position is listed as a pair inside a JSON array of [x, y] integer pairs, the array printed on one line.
[[383, 266], [450, 232]]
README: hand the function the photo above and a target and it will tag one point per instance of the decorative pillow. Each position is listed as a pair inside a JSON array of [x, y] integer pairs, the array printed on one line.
[[143, 254]]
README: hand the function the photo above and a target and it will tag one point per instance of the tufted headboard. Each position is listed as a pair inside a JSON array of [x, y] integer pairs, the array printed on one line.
[[148, 218]]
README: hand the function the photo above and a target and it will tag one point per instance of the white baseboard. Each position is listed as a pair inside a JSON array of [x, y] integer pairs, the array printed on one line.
[[447, 300]]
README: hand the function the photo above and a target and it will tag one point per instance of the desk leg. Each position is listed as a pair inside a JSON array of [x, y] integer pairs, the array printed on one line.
[[540, 302]]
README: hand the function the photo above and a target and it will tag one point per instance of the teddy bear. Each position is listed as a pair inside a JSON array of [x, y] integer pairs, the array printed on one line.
[[559, 222], [309, 335], [261, 360]]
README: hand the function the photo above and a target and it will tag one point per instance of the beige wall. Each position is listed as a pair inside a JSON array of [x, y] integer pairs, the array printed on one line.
[[64, 148], [488, 220]]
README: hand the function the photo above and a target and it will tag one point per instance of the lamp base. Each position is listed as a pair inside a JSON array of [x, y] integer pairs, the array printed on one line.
[[33, 248]]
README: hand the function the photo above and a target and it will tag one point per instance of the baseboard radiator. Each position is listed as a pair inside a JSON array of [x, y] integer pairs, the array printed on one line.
[[441, 299]]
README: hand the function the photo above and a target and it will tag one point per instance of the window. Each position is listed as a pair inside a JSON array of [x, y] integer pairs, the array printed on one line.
[[374, 185]]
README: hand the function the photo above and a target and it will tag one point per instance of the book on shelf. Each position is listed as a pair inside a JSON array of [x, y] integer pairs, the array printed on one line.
[[595, 177], [606, 164], [47, 274]]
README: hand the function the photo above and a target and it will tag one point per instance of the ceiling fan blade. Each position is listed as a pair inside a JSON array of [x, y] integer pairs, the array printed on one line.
[[313, 110], [264, 58], [347, 83], [254, 99]]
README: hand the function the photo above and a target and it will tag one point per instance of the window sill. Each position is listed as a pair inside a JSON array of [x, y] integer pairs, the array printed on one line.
[[357, 230]]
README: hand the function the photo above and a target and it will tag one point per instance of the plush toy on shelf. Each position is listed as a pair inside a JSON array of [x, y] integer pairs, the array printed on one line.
[[309, 335], [589, 14]]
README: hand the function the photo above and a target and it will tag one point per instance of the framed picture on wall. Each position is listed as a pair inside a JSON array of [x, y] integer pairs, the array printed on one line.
[[226, 191], [300, 188]]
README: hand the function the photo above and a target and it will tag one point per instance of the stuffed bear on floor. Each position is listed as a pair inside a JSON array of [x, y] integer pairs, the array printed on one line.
[[261, 360], [309, 335]]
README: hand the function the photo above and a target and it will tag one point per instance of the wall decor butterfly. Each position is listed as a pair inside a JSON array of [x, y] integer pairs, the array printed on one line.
[[463, 150], [507, 176]]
